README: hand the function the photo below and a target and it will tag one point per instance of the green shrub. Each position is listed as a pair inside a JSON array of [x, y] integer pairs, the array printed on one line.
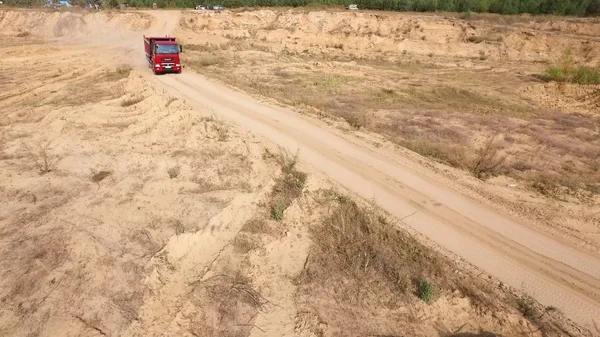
[[586, 75], [555, 74], [579, 75], [277, 211], [567, 71], [525, 305], [425, 291]]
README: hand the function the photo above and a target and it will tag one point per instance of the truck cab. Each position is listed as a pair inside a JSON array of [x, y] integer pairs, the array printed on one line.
[[162, 54]]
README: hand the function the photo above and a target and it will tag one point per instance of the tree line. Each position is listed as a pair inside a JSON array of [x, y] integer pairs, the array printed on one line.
[[535, 7]]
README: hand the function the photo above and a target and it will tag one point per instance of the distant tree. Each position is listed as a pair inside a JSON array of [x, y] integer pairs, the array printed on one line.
[[480, 6], [529, 6], [510, 7], [577, 7], [593, 8], [556, 7]]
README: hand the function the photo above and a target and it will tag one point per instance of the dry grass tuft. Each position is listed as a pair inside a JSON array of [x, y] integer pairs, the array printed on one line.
[[230, 305], [42, 159], [488, 162], [256, 226], [174, 172], [119, 73], [246, 242], [100, 175], [526, 305]]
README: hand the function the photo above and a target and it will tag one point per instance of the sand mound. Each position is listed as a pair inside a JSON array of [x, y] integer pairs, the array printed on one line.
[[363, 33], [75, 26]]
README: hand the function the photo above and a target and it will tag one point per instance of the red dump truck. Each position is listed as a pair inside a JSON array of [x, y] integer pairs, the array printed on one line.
[[162, 54]]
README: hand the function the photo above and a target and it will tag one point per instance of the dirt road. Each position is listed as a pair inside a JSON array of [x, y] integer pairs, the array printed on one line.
[[553, 272]]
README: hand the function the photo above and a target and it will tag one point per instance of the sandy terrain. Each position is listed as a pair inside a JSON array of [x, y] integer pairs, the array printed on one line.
[[140, 205]]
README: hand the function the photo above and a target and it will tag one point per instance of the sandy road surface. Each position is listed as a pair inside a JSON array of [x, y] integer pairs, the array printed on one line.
[[551, 271]]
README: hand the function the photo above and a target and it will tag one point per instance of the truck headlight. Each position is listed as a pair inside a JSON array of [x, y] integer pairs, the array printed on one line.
[[178, 65]]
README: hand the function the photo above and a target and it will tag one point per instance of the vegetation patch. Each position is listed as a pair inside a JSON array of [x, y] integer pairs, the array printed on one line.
[[577, 74], [425, 291], [358, 244], [229, 305], [288, 186], [567, 71], [203, 61]]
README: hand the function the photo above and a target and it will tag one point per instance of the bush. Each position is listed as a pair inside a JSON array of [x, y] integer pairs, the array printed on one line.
[[567, 71], [425, 291], [525, 305], [579, 75], [586, 75]]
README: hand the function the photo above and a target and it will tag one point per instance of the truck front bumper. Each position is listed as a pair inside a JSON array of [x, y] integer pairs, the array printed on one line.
[[167, 68]]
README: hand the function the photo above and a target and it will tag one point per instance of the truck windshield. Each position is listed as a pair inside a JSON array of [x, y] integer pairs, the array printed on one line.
[[167, 49]]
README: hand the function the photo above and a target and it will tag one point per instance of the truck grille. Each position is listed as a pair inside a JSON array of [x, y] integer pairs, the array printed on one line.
[[168, 64]]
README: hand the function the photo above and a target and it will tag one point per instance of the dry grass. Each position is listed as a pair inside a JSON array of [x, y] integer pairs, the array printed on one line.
[[100, 175], [43, 160], [366, 265], [228, 305], [121, 72], [220, 127], [23, 34], [174, 171], [256, 226], [444, 119], [91, 89], [288, 186], [488, 162], [359, 244], [203, 61], [244, 243]]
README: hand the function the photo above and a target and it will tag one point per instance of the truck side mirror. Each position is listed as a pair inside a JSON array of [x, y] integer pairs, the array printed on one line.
[[180, 48]]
